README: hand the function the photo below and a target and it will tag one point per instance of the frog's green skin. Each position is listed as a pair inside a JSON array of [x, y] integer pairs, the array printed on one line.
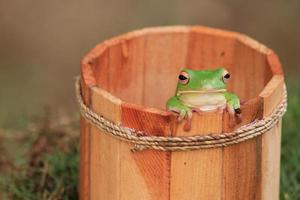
[[204, 91]]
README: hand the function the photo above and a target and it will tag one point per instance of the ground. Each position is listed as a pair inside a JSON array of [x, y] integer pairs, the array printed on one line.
[[40, 161]]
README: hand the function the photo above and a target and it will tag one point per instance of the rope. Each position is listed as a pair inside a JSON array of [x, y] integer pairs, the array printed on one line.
[[164, 143]]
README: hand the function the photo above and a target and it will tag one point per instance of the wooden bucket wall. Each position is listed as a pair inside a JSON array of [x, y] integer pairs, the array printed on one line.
[[128, 80]]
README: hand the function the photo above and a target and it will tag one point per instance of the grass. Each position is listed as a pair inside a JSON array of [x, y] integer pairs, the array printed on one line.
[[44, 163], [41, 161], [55, 177]]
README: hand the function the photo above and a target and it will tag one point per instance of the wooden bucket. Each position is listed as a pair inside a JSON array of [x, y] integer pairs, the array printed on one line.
[[128, 80]]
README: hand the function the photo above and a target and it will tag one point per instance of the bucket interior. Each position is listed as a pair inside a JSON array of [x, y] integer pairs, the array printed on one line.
[[143, 68]]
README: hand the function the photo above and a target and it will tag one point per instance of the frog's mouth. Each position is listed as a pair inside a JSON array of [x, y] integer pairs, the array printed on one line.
[[200, 91]]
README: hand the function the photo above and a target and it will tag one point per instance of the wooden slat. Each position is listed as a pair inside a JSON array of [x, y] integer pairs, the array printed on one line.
[[85, 127], [240, 171], [153, 166], [133, 51], [127, 68], [104, 155], [208, 51], [270, 163], [241, 162], [133, 185], [197, 174], [126, 61], [249, 71], [84, 159], [274, 63], [101, 70], [165, 55], [270, 141]]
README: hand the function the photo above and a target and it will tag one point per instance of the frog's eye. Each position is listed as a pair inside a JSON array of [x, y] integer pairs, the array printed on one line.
[[226, 76], [184, 77]]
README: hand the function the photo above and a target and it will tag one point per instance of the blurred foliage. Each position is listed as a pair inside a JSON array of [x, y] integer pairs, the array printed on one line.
[[44, 162], [55, 178]]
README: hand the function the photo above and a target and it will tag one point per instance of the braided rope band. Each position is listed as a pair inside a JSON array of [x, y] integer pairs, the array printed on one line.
[[183, 143]]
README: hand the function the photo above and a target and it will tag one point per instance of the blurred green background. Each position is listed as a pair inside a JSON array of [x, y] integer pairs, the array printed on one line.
[[42, 42]]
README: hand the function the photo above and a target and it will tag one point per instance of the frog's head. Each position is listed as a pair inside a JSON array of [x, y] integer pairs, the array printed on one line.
[[202, 81]]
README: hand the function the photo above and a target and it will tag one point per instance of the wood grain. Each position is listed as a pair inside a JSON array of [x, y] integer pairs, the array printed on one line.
[[165, 55], [271, 140], [154, 166], [115, 175], [208, 51], [128, 79], [126, 71], [101, 69], [122, 54], [85, 135], [241, 162], [250, 71], [104, 155], [84, 176], [197, 174]]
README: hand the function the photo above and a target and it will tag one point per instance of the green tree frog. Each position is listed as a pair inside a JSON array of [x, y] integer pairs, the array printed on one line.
[[202, 91]]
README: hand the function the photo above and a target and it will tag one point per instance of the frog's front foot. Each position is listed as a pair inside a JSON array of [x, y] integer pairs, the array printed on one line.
[[187, 116], [235, 117], [238, 115]]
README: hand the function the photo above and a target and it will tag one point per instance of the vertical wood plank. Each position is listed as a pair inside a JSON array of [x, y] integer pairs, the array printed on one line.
[[165, 55], [274, 63], [241, 162], [271, 141], [127, 68], [270, 164], [101, 70], [84, 177], [249, 71], [240, 175], [105, 176], [133, 185], [208, 51], [133, 51], [126, 80], [85, 127], [198, 174], [154, 166]]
